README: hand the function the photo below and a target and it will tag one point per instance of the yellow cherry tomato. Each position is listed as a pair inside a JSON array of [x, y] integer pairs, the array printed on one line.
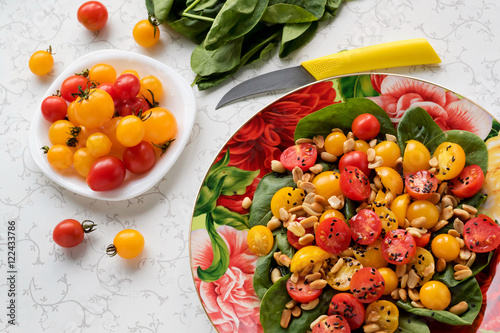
[[61, 131], [331, 213], [451, 160], [389, 151], [399, 206], [286, 197], [370, 255], [383, 313], [130, 131], [127, 244], [361, 145], [151, 87], [334, 143], [99, 144], [308, 255], [131, 71], [445, 246], [423, 208], [95, 109], [327, 184], [102, 73], [82, 161], [341, 279], [260, 240], [60, 156], [416, 157], [391, 280], [41, 62], [423, 264], [110, 130], [160, 126], [435, 295], [71, 113], [391, 179], [146, 34]]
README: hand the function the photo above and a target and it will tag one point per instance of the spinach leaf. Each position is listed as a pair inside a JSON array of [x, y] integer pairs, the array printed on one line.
[[262, 275], [473, 146], [417, 124], [409, 323], [476, 200], [285, 13], [446, 276], [349, 209], [295, 35], [468, 291], [260, 211], [315, 7], [341, 116], [356, 86], [159, 9], [207, 62], [274, 302], [284, 246]]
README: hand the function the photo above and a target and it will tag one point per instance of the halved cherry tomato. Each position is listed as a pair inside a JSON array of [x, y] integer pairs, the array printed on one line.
[[354, 183], [398, 247], [309, 255], [302, 155], [333, 235], [286, 198], [365, 126], [482, 234], [71, 87], [301, 291], [260, 240], [423, 240], [367, 285], [370, 255], [384, 314], [468, 182], [332, 324], [366, 227], [451, 160], [357, 159], [421, 184], [346, 305], [341, 279], [107, 173], [54, 108]]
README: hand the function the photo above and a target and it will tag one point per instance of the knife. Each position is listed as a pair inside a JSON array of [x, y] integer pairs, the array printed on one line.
[[393, 54]]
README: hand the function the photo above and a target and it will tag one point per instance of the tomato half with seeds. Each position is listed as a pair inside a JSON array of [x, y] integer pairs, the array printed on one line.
[[260, 240], [301, 291], [302, 155], [367, 285], [332, 324], [482, 234], [333, 235], [357, 159], [341, 279], [421, 185], [347, 306], [354, 183], [451, 160], [383, 313], [423, 240], [366, 227], [468, 182], [398, 247]]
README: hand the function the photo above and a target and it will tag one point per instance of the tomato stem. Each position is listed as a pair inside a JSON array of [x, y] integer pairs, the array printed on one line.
[[88, 226], [163, 146], [111, 250], [45, 149], [152, 104]]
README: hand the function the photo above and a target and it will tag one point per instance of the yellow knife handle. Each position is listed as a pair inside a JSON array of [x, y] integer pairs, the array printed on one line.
[[393, 54]]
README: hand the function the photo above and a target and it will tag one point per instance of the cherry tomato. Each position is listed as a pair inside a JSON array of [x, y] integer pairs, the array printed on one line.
[[70, 232], [151, 87], [130, 131], [302, 155], [301, 291], [423, 264], [309, 255], [415, 157], [384, 314], [54, 108], [391, 280], [423, 240], [391, 179], [435, 295], [341, 279], [357, 159], [365, 126], [421, 184], [260, 240], [367, 285], [332, 324], [399, 206], [60, 132], [468, 182], [451, 160], [110, 89], [446, 247], [93, 15], [423, 208], [354, 184], [139, 159], [482, 234], [71, 87], [102, 73], [334, 143], [366, 227], [127, 244], [94, 109], [127, 86], [389, 151], [41, 62], [294, 239], [398, 247], [333, 235], [346, 305], [327, 184], [331, 213], [110, 130], [146, 34], [60, 156], [160, 125], [370, 255], [361, 145], [98, 144], [132, 106], [107, 173], [82, 161], [131, 71]]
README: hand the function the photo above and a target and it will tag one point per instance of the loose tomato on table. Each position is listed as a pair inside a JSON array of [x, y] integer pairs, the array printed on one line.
[[107, 173], [366, 227], [302, 155], [347, 306], [468, 182], [367, 285], [73, 85], [128, 244], [139, 159], [356, 159], [41, 62], [54, 108], [354, 183], [332, 324], [145, 33], [398, 247], [333, 235], [365, 126], [70, 232], [93, 15], [421, 185], [482, 234], [301, 291]]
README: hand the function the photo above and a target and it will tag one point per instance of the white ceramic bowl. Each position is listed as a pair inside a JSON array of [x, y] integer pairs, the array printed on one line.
[[178, 98]]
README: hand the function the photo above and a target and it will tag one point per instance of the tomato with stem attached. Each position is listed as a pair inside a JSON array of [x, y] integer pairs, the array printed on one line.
[[54, 108], [139, 159], [41, 62], [59, 156], [70, 232], [128, 244], [151, 89], [145, 33], [93, 15], [160, 125], [94, 108], [133, 106], [74, 85]]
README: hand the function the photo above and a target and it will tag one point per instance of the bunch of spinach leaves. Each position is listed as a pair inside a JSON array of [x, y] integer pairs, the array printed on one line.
[[234, 33]]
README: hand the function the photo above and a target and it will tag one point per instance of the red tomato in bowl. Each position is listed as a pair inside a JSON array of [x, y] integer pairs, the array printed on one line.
[[302, 155], [93, 15], [139, 159], [468, 182], [107, 173], [70, 86], [54, 108], [127, 86]]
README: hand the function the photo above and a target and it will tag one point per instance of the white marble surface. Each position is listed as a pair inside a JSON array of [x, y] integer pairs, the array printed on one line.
[[83, 290]]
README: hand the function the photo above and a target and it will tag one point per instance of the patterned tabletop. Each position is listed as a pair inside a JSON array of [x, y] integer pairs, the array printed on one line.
[[82, 289]]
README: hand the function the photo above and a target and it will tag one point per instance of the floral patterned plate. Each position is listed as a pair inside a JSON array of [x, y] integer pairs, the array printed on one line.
[[222, 265]]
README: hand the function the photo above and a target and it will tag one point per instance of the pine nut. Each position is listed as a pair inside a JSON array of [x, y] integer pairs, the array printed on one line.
[[470, 209], [313, 277], [419, 222], [460, 242], [308, 222], [276, 166], [348, 145], [303, 140], [413, 279], [414, 294], [417, 304], [446, 213], [371, 328], [453, 232], [458, 225], [292, 303], [335, 268], [471, 259], [308, 187], [285, 260], [404, 281], [439, 225], [400, 270], [284, 215], [296, 311], [461, 214], [434, 198], [337, 202], [462, 272], [442, 187], [296, 228], [295, 277], [395, 294], [309, 210], [372, 143], [377, 162], [459, 308], [318, 284], [297, 174], [402, 294], [319, 141]]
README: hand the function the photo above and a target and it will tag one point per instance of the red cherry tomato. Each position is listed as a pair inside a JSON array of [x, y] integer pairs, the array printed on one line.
[[482, 234], [127, 86], [70, 232], [468, 182], [333, 235], [366, 227], [421, 185], [332, 324], [107, 173], [139, 159], [354, 183], [110, 89], [423, 240], [346, 305], [357, 159], [365, 126], [93, 15], [302, 155], [398, 247], [69, 87], [132, 106], [54, 108], [367, 285], [301, 292]]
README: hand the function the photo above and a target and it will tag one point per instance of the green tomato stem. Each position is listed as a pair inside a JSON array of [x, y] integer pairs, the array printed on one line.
[[111, 250], [198, 17]]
